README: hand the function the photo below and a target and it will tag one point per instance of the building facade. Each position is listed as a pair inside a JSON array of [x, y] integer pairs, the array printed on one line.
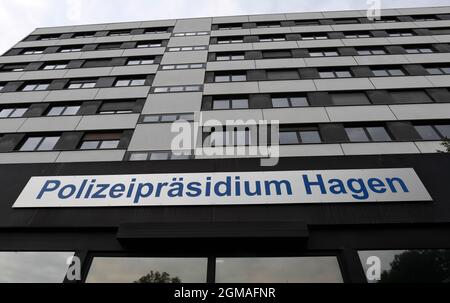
[[351, 95]]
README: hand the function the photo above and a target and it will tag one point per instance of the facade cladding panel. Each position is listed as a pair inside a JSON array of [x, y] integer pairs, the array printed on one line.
[[350, 94]]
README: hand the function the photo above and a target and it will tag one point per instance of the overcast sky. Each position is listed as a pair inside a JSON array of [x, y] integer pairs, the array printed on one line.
[[19, 17]]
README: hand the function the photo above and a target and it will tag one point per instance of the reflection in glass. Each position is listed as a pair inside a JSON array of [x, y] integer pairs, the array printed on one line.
[[410, 266], [148, 270], [278, 270], [33, 267]]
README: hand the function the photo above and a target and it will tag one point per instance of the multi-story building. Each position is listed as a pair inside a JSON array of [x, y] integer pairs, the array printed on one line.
[[363, 107]]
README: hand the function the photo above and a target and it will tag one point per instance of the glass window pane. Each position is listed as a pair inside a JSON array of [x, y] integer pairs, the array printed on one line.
[[410, 266], [427, 132], [151, 119], [123, 83], [412, 96], [380, 73], [396, 72], [378, 52], [221, 104], [34, 267], [4, 113], [288, 138], [444, 130], [310, 137], [236, 78], [349, 99], [159, 156], [31, 144], [169, 118], [56, 111], [240, 103], [343, 74], [222, 78], [278, 270], [280, 102], [48, 143], [357, 134], [299, 101], [71, 110], [326, 74], [138, 157], [148, 270], [112, 144], [187, 117], [90, 145], [379, 134]]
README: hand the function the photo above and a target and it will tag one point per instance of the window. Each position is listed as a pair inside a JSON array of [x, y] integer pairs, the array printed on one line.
[[278, 54], [433, 132], [109, 46], [147, 270], [37, 51], [55, 66], [101, 141], [168, 118], [228, 40], [39, 143], [355, 35], [12, 112], [160, 156], [371, 51], [2, 86], [283, 74], [388, 72], [400, 34], [398, 266], [302, 136], [346, 21], [438, 70], [326, 74], [306, 22], [84, 35], [386, 20], [141, 61], [368, 134], [129, 82], [425, 18], [156, 30], [178, 89], [349, 99], [14, 67], [183, 66], [232, 103], [235, 77], [419, 50], [71, 110], [190, 34], [71, 49], [81, 84], [230, 56], [268, 24], [35, 87], [239, 136], [323, 53], [187, 48], [149, 44], [440, 31], [48, 37], [230, 26], [278, 270], [410, 96], [117, 107], [119, 33], [34, 267], [316, 36], [97, 63], [289, 101], [272, 38]]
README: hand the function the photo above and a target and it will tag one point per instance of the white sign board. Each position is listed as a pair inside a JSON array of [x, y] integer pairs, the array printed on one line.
[[243, 188]]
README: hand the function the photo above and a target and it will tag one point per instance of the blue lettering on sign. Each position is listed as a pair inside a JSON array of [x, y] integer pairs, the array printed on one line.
[[359, 189]]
